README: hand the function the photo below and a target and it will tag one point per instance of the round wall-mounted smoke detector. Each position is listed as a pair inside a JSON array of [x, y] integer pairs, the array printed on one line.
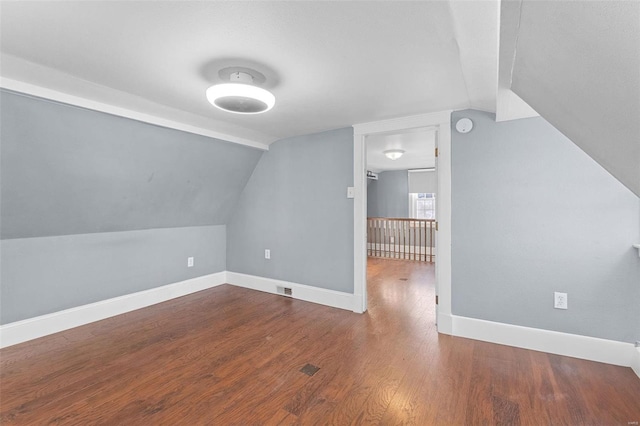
[[240, 95], [464, 125]]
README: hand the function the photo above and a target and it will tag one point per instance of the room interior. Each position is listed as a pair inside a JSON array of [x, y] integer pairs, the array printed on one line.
[[126, 191]]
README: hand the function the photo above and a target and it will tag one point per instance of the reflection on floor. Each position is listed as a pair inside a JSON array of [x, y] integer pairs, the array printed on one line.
[[230, 355]]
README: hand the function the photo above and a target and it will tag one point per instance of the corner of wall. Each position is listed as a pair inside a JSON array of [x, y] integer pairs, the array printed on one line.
[[33, 328], [635, 362]]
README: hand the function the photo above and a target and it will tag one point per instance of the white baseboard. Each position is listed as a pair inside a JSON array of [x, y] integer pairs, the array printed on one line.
[[590, 348], [32, 328], [573, 345], [336, 299], [635, 362], [445, 323]]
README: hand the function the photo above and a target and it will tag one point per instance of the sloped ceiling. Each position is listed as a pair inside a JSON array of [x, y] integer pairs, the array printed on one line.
[[329, 64], [335, 64], [578, 65], [73, 171]]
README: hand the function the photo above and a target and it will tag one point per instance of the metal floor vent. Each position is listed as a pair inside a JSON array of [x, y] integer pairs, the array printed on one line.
[[284, 290], [309, 370], [404, 279]]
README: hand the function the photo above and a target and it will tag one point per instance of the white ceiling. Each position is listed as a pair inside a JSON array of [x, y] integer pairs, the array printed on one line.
[[329, 64], [335, 64], [418, 146]]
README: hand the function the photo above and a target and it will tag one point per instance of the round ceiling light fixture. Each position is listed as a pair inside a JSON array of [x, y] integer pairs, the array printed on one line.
[[240, 96], [393, 154]]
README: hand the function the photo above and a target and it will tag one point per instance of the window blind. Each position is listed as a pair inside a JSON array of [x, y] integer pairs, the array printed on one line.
[[422, 181]]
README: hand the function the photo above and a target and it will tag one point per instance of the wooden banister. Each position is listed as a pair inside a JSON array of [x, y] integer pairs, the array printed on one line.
[[401, 238]]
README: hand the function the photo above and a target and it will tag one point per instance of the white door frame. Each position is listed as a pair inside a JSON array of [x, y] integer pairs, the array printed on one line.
[[441, 123]]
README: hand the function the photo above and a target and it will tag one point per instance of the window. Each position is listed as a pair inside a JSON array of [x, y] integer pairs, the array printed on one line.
[[422, 205]]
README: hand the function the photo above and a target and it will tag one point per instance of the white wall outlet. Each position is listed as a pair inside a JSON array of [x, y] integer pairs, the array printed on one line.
[[393, 240], [189, 262], [267, 254], [560, 300]]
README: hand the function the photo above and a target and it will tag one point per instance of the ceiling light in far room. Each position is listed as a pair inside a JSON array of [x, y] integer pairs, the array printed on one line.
[[393, 154], [240, 96]]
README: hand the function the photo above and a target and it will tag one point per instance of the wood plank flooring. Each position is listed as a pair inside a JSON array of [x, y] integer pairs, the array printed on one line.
[[231, 356]]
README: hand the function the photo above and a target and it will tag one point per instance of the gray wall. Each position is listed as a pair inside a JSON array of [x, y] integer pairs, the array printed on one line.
[[68, 170], [389, 195], [533, 214], [44, 275], [295, 204], [95, 206]]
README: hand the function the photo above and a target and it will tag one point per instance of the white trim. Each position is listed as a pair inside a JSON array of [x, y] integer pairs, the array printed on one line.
[[590, 348], [43, 92], [32, 328], [440, 122], [403, 123], [573, 345], [443, 235], [635, 362], [336, 299], [444, 321], [359, 223]]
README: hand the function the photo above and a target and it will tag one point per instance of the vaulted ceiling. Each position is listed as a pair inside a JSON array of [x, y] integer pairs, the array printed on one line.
[[335, 64], [329, 64]]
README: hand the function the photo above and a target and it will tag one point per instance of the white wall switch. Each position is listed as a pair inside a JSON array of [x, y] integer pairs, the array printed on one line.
[[351, 192], [189, 262], [560, 300], [267, 254]]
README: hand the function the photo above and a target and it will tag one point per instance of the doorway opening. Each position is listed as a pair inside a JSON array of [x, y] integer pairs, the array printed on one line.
[[369, 133], [401, 195]]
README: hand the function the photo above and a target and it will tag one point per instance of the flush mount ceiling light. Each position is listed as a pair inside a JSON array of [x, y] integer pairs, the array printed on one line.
[[240, 96], [393, 154]]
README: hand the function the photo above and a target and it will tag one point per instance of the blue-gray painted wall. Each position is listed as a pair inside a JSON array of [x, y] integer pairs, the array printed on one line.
[[296, 205], [69, 170], [389, 195], [95, 206], [533, 214], [49, 274]]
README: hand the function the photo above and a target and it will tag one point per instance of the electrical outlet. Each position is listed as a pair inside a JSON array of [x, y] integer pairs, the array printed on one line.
[[267, 254], [189, 262], [393, 240], [560, 300]]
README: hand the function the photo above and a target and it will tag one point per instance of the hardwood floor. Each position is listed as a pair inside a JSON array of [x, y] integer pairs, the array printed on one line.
[[231, 356]]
